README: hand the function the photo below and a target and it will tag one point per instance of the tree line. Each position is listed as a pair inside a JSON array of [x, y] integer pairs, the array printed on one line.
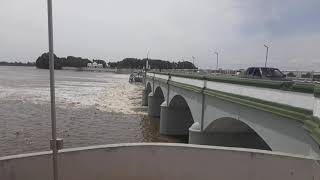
[[134, 63], [4, 63], [131, 63], [42, 62]]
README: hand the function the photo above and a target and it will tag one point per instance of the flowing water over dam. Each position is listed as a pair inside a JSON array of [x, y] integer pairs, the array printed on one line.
[[92, 108]]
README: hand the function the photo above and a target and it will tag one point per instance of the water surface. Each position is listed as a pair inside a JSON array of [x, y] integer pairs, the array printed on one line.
[[92, 108]]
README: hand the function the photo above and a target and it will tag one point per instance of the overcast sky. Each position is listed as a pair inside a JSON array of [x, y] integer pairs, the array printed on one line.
[[170, 29]]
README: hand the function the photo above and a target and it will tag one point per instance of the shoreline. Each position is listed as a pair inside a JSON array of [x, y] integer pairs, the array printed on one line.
[[112, 70]]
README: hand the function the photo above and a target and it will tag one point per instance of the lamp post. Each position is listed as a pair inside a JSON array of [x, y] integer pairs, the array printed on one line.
[[267, 51], [217, 60], [53, 142], [147, 61]]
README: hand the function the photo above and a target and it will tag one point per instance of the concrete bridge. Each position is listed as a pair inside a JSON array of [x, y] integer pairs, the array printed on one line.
[[236, 112]]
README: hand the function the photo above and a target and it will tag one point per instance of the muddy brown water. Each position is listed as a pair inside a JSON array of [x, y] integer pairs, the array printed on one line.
[[93, 108]]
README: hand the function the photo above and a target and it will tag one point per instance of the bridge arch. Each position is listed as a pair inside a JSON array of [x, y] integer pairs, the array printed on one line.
[[159, 93], [233, 132], [176, 118]]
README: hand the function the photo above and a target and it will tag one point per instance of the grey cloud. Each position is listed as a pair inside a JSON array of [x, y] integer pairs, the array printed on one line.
[[172, 30]]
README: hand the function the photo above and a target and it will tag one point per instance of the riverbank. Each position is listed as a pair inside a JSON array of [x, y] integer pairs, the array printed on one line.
[[114, 70]]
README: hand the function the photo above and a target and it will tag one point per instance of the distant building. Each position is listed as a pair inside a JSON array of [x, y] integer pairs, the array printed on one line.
[[94, 65]]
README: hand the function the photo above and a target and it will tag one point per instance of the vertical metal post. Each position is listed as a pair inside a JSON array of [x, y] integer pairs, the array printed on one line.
[[265, 64], [147, 62], [217, 61], [52, 93]]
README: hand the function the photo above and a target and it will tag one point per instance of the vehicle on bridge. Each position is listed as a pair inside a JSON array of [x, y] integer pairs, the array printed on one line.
[[264, 73], [136, 77]]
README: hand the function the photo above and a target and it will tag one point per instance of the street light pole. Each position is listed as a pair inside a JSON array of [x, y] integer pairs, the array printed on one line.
[[52, 94], [147, 61], [217, 60], [265, 64]]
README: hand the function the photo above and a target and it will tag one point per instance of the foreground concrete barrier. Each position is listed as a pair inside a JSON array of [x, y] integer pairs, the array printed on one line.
[[161, 161]]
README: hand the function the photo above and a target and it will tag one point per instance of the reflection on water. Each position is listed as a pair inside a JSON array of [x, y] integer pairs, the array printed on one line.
[[92, 108]]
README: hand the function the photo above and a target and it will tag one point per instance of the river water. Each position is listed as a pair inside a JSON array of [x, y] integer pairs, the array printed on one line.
[[93, 108]]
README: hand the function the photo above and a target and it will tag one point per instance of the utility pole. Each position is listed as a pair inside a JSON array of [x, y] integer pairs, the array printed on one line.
[[265, 64], [217, 60], [147, 61]]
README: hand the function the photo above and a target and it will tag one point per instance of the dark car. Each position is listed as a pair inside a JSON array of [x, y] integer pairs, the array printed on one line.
[[265, 73]]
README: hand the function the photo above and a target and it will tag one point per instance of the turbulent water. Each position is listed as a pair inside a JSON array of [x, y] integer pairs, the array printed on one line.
[[92, 108]]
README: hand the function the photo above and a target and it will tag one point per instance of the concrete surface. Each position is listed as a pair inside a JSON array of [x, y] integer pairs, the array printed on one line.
[[161, 161]]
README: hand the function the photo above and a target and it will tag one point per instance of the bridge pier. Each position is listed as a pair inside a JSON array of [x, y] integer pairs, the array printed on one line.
[[154, 103], [145, 97], [174, 120]]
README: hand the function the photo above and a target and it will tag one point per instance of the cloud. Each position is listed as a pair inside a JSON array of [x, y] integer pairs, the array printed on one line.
[[171, 30], [281, 18]]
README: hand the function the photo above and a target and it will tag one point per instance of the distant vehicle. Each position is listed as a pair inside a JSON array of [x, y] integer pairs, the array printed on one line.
[[136, 77], [264, 73]]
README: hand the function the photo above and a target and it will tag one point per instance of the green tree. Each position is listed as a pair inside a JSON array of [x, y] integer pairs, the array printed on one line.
[[43, 62]]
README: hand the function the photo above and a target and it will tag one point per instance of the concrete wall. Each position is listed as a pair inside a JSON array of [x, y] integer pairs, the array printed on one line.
[[296, 99], [161, 161]]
